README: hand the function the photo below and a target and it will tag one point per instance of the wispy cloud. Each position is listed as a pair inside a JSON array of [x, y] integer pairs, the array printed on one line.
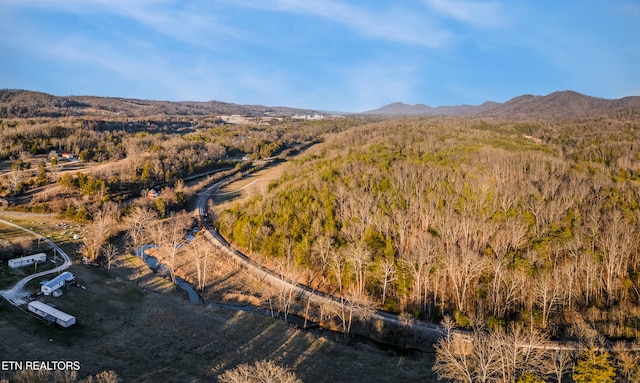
[[337, 54], [390, 24], [482, 14], [196, 25]]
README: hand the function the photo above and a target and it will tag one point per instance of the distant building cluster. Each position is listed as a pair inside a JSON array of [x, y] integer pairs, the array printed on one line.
[[238, 119], [62, 154], [314, 116]]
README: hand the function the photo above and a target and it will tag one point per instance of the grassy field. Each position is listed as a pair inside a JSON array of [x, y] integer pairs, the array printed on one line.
[[12, 234], [245, 188], [146, 331], [8, 276], [60, 231], [133, 322]]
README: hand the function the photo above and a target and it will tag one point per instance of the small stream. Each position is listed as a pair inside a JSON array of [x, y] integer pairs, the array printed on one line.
[[195, 298], [163, 270], [292, 319]]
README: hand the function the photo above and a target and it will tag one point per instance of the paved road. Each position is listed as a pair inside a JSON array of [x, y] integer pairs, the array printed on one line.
[[17, 295], [426, 332]]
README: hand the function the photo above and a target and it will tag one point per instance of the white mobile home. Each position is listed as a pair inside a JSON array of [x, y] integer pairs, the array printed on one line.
[[27, 261], [50, 286], [51, 314]]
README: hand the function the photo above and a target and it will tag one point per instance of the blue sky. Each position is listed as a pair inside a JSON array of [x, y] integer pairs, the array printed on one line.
[[341, 55]]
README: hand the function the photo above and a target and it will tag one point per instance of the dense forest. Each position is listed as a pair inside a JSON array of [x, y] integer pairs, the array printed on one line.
[[521, 231], [490, 222]]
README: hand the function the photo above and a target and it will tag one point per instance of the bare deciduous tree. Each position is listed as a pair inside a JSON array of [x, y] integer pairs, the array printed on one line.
[[104, 223], [169, 236], [628, 361], [103, 377], [110, 252], [454, 358], [463, 267], [558, 363], [482, 356], [388, 273], [201, 253], [138, 222], [259, 372]]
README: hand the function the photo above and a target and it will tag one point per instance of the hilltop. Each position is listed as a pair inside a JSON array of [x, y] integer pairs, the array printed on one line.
[[26, 104], [565, 105], [558, 105]]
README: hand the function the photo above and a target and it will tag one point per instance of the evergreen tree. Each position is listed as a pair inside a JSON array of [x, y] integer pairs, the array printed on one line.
[[528, 377], [594, 367]]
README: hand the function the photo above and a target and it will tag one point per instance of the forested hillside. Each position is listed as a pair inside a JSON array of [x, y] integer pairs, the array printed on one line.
[[118, 159], [490, 222], [16, 103], [502, 225]]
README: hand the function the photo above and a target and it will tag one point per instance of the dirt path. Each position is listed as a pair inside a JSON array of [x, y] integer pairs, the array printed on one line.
[[17, 295]]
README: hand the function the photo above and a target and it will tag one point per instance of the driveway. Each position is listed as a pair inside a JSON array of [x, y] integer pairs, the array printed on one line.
[[16, 295]]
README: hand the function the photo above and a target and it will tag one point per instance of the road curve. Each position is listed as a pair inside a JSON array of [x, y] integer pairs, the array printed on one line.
[[425, 334], [428, 332], [16, 295]]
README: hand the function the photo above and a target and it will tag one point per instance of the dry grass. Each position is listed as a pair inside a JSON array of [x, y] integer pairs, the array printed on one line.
[[243, 189], [145, 331], [136, 323]]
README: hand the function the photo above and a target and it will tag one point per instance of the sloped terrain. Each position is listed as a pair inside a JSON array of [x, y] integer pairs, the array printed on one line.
[[557, 105], [27, 104]]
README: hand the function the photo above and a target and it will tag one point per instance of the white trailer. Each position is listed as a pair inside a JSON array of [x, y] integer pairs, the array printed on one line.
[[51, 314], [49, 287], [27, 261]]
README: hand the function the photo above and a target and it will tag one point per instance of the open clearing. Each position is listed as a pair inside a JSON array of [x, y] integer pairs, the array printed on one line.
[[12, 234], [137, 324], [147, 332], [243, 189], [30, 245]]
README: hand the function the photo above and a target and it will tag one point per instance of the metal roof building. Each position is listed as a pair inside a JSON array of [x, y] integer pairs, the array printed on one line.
[[51, 314], [27, 261], [50, 286]]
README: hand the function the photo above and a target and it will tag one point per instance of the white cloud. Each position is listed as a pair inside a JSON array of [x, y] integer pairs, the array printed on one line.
[[483, 14]]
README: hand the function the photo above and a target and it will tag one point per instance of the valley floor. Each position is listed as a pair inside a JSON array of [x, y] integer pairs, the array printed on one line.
[[138, 325]]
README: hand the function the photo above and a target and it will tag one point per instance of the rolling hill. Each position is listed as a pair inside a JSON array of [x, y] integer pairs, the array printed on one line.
[[563, 105], [24, 103]]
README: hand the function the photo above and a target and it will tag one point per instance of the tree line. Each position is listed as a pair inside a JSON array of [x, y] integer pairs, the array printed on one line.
[[464, 218], [144, 153]]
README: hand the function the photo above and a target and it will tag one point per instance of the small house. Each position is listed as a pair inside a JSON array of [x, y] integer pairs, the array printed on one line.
[[69, 155]]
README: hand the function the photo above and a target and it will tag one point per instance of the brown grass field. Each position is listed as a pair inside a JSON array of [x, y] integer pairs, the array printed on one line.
[[247, 187], [136, 323]]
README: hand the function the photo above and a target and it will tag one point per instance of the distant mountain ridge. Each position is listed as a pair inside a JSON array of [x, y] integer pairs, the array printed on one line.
[[25, 103], [399, 108], [564, 104], [557, 105]]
